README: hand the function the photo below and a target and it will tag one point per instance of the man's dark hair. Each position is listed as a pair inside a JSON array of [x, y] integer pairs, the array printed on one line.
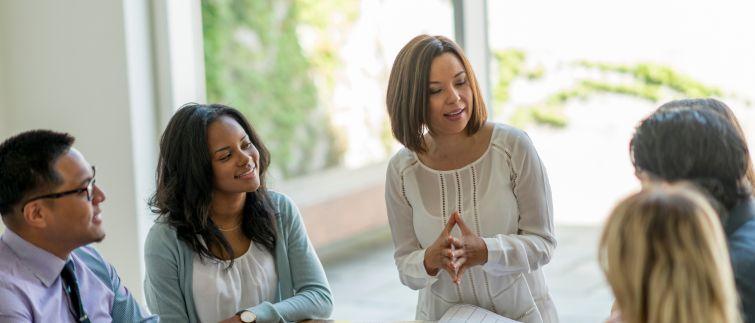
[[27, 165], [721, 108], [697, 145]]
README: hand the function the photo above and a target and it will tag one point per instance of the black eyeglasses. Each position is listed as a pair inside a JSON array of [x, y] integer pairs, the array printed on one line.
[[89, 189]]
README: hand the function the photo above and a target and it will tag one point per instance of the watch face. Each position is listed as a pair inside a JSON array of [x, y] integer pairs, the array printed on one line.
[[248, 317]]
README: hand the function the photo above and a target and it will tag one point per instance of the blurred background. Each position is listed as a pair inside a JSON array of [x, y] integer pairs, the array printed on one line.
[[311, 76]]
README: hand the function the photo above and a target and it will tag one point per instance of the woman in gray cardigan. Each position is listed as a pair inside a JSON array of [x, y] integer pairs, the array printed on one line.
[[224, 248]]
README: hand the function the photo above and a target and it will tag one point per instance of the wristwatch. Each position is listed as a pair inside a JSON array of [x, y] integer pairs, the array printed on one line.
[[247, 316]]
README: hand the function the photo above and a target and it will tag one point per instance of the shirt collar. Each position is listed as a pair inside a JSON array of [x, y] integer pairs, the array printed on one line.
[[43, 264]]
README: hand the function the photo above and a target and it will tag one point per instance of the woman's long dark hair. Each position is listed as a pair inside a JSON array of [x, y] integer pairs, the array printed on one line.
[[185, 183]]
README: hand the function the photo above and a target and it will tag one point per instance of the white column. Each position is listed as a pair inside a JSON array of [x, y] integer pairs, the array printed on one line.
[[4, 113], [143, 124], [180, 50], [4, 110], [471, 24]]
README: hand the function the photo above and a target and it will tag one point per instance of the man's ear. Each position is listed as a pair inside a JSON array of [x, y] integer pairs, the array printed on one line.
[[34, 214]]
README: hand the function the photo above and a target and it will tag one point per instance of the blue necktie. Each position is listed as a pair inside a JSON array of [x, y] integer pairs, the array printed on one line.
[[71, 287]]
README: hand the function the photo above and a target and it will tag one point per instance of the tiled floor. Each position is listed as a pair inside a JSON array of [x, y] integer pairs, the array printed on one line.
[[366, 286]]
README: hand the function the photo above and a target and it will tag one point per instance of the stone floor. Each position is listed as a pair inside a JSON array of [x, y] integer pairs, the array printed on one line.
[[366, 287]]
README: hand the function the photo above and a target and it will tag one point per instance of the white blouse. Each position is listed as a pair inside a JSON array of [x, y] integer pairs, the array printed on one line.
[[505, 197], [220, 292]]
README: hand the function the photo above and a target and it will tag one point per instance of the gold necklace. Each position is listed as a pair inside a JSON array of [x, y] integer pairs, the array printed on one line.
[[228, 230]]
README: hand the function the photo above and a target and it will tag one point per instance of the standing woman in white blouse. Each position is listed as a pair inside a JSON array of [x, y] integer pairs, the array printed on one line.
[[469, 203], [224, 247]]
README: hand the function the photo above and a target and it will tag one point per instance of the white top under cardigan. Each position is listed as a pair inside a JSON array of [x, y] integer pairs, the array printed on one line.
[[220, 291], [302, 289], [505, 197]]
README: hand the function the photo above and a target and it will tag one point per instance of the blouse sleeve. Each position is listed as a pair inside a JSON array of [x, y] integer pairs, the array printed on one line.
[[532, 246], [409, 255], [313, 299]]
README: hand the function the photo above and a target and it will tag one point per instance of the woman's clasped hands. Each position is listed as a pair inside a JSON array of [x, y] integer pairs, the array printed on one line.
[[455, 255]]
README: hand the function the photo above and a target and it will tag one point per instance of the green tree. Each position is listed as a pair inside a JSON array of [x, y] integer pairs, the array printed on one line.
[[254, 62]]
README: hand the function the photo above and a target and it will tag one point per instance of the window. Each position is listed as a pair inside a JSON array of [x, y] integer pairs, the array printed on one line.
[[311, 75]]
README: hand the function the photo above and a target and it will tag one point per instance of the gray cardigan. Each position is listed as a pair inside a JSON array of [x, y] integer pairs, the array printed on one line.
[[303, 291]]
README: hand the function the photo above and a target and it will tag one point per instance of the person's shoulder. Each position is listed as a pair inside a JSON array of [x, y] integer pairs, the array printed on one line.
[[286, 211], [14, 272], [402, 156], [742, 220], [93, 260], [9, 266], [161, 233], [401, 160], [280, 200], [282, 204], [8, 256], [742, 247], [743, 239], [508, 135], [89, 253], [502, 131], [13, 292], [162, 228]]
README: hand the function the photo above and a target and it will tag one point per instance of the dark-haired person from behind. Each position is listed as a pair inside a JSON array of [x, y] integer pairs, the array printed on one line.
[[722, 109], [224, 247], [50, 205], [703, 147]]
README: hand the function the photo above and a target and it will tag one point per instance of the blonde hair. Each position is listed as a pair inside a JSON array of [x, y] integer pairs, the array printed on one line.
[[663, 253], [407, 96]]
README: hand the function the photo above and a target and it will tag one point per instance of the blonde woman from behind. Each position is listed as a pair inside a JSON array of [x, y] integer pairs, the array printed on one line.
[[663, 253]]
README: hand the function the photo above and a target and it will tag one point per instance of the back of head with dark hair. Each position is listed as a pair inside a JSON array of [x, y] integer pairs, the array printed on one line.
[[696, 145], [184, 182], [721, 108], [27, 165], [699, 104]]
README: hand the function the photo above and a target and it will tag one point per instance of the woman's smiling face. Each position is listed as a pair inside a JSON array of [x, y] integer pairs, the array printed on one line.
[[234, 157], [451, 97]]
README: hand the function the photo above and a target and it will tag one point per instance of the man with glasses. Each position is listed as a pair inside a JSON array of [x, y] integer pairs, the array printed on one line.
[[50, 205]]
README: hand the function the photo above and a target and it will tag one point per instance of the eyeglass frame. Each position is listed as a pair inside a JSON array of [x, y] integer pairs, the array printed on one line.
[[89, 189]]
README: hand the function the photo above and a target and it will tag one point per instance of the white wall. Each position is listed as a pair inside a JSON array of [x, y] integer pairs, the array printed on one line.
[[3, 117], [3, 106], [84, 67]]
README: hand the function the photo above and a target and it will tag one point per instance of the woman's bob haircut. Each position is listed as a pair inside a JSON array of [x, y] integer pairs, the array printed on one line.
[[408, 90]]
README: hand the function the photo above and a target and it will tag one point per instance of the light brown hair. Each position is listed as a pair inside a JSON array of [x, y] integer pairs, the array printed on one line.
[[663, 253], [408, 90]]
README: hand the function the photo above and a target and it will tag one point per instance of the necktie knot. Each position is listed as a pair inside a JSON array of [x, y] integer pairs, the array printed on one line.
[[69, 273]]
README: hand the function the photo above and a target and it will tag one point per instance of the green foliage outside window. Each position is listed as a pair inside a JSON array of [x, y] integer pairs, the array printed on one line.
[[254, 62], [648, 81]]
